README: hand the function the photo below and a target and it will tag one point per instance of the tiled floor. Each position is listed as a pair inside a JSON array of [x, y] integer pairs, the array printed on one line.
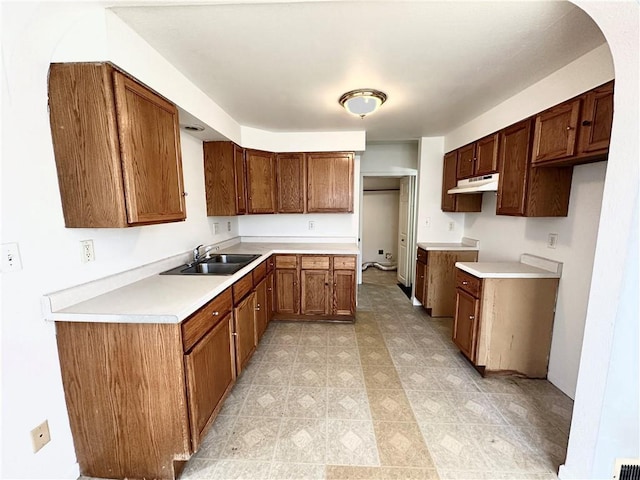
[[387, 398]]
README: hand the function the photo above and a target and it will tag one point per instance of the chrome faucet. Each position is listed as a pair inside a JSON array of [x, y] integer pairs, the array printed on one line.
[[196, 254]]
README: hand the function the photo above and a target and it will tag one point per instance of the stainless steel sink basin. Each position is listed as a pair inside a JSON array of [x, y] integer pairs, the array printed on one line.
[[223, 264]]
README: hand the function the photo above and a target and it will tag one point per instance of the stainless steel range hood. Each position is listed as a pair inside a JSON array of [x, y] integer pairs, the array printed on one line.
[[485, 183]]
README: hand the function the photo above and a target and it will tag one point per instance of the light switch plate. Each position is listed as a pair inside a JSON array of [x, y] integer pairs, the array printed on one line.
[[11, 261]]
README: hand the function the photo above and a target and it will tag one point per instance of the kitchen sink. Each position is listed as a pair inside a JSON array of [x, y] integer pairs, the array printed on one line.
[[223, 264]]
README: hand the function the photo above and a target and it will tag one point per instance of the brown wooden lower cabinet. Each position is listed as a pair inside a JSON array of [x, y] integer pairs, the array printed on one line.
[[505, 324], [261, 308], [315, 292], [435, 285], [245, 330], [344, 293]]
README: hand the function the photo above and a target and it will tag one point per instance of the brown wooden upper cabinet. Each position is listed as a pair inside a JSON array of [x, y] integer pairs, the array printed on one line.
[[224, 179], [117, 148], [330, 182], [456, 203], [290, 175], [526, 191], [576, 131], [478, 158], [261, 181]]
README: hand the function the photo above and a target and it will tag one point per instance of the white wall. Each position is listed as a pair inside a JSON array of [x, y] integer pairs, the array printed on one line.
[[380, 225], [389, 157]]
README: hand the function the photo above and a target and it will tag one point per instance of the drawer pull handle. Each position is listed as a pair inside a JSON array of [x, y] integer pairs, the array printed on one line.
[[471, 317], [465, 283], [215, 314], [235, 334]]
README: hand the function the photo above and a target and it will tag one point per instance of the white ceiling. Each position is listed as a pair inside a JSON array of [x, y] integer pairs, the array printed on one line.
[[283, 66]]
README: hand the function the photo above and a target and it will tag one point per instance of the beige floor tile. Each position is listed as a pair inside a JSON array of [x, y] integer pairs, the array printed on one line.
[[252, 438], [432, 407], [399, 340], [348, 472], [286, 338], [306, 402], [404, 473], [475, 408], [455, 379], [309, 375], [265, 401], [270, 373], [379, 377], [401, 445], [375, 356], [429, 341], [345, 376], [199, 469], [242, 470], [342, 339], [418, 378], [498, 384], [214, 442], [311, 354], [452, 446], [277, 353], [302, 441], [351, 442], [235, 399], [519, 410], [296, 471], [408, 356], [548, 442], [343, 355], [348, 403], [389, 405], [558, 410], [443, 358], [373, 340], [314, 338]]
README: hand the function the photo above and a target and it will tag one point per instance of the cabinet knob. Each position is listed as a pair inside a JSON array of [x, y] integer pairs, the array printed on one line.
[[465, 283], [215, 314], [184, 194], [258, 308], [335, 284], [471, 317], [235, 334], [586, 123], [569, 128]]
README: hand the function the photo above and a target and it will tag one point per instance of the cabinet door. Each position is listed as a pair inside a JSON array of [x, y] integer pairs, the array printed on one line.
[[270, 296], [466, 157], [287, 289], [261, 181], [514, 168], [555, 132], [210, 370], [486, 155], [245, 330], [329, 182], [220, 178], [597, 118], [290, 176], [465, 323], [344, 292], [262, 309], [315, 288], [148, 130], [240, 180], [421, 275], [449, 180]]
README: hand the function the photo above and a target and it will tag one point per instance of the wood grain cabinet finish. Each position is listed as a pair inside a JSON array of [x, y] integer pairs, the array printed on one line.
[[262, 315], [291, 182], [245, 330], [344, 293], [117, 148], [261, 181], [456, 203], [435, 279], [315, 288], [466, 158], [224, 173], [505, 324], [526, 191], [576, 131], [330, 182], [478, 158]]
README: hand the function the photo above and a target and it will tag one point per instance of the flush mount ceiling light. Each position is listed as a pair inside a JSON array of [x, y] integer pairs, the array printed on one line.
[[193, 127], [363, 101]]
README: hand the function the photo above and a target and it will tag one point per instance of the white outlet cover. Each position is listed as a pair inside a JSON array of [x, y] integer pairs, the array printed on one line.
[[87, 253], [11, 261]]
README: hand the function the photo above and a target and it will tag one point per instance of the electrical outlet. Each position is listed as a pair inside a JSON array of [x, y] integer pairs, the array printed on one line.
[[11, 257], [380, 252], [228, 226], [552, 240], [40, 436], [86, 251], [216, 228], [452, 226], [312, 225]]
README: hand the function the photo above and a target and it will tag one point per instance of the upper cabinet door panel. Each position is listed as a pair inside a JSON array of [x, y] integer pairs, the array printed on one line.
[[150, 149], [219, 175], [329, 182], [261, 181], [290, 176], [466, 157], [514, 157], [597, 119], [556, 132], [449, 181], [240, 180], [486, 155]]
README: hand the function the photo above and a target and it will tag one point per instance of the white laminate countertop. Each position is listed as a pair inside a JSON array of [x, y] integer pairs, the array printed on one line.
[[465, 244], [172, 298], [529, 266]]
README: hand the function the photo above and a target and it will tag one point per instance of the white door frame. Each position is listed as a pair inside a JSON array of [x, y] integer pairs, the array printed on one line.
[[412, 173]]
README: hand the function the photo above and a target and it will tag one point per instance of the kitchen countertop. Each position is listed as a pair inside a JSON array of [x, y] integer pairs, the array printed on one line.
[[530, 266], [465, 244], [172, 298]]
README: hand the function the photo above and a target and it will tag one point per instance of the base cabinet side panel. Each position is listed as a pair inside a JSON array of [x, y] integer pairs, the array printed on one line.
[[125, 392], [344, 293], [440, 280]]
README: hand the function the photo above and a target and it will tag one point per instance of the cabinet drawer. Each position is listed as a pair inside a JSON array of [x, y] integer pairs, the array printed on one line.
[[286, 261], [259, 273], [242, 287], [422, 255], [468, 282], [315, 263], [198, 324], [344, 263]]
